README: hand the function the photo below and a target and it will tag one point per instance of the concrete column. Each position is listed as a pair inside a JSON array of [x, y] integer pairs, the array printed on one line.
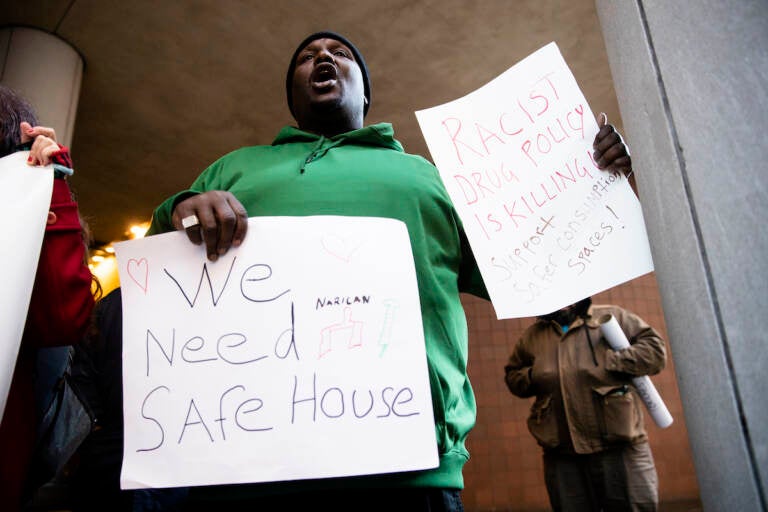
[[46, 71], [692, 83]]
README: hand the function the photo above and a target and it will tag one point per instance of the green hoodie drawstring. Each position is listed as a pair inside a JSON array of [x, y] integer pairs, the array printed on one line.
[[312, 154], [319, 152]]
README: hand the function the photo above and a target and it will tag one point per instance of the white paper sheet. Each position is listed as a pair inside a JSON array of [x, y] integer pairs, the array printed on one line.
[[547, 227], [24, 212], [298, 355], [616, 338]]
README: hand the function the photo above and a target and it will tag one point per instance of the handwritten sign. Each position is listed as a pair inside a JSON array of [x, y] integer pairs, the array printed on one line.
[[547, 227], [22, 223], [298, 355]]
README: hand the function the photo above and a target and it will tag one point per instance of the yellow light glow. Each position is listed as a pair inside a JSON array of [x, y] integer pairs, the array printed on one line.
[[105, 271], [138, 230]]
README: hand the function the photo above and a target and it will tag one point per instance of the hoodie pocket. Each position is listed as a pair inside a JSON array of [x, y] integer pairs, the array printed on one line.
[[542, 422]]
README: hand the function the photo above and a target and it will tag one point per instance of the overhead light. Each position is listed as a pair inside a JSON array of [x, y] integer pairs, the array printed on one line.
[[138, 230]]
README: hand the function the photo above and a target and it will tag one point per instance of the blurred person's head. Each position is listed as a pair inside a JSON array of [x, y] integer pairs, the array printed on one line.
[[13, 110], [566, 315]]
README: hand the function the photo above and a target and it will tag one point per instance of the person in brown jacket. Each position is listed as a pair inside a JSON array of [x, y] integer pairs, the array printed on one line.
[[587, 416]]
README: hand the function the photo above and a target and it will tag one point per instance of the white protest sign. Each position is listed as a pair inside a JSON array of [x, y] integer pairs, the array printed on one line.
[[547, 227], [298, 355], [22, 222]]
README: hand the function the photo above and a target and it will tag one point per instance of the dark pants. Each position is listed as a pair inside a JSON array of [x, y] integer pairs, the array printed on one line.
[[343, 500], [614, 480]]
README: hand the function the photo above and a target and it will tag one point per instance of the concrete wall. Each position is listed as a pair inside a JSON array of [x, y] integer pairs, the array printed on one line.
[[692, 84], [46, 71]]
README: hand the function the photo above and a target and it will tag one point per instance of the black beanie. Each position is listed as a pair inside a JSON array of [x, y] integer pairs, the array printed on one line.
[[358, 58]]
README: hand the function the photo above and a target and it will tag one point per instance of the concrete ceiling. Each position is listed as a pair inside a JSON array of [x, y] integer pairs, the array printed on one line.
[[168, 87]]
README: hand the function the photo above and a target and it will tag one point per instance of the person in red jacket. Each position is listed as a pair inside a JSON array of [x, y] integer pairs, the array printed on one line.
[[61, 303]]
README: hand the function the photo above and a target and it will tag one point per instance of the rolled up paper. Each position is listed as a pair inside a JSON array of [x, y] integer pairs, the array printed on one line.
[[618, 340]]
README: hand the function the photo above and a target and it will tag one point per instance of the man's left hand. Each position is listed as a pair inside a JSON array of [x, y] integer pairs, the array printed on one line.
[[610, 151]]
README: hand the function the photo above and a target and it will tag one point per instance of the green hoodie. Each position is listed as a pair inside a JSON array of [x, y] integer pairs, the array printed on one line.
[[366, 173]]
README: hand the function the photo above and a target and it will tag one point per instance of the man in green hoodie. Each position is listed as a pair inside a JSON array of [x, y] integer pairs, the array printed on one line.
[[333, 165]]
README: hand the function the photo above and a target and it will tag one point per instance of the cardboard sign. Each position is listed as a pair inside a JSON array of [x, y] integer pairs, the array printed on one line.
[[547, 227], [22, 223], [298, 355]]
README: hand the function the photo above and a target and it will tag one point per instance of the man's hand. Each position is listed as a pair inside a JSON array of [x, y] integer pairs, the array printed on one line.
[[216, 218], [44, 144], [610, 151]]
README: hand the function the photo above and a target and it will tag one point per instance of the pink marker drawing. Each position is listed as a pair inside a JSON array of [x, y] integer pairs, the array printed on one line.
[[339, 247], [348, 331], [138, 270]]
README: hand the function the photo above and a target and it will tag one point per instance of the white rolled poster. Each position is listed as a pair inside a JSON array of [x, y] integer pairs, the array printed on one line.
[[645, 388]]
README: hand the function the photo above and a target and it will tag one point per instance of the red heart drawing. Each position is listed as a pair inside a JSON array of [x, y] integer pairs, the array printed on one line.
[[339, 247], [139, 272]]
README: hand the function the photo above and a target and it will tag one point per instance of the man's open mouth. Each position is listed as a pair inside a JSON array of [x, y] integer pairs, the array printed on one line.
[[324, 76]]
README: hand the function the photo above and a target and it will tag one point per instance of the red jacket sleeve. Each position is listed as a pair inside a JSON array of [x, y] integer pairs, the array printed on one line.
[[61, 303]]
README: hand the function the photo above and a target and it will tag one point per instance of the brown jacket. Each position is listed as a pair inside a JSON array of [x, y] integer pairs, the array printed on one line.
[[584, 395]]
